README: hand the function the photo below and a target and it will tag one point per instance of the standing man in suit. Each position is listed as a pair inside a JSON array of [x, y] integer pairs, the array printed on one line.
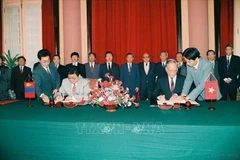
[[75, 87], [129, 75], [5, 76], [62, 70], [182, 67], [229, 71], [45, 76], [19, 75], [109, 67], [198, 70], [92, 68], [211, 56], [160, 67], [75, 59], [171, 85], [147, 77]]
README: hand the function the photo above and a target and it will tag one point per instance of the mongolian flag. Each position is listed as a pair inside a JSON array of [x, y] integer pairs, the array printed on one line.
[[211, 90], [29, 89]]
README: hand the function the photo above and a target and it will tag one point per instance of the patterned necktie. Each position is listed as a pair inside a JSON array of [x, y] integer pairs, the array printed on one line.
[[21, 69], [228, 62], [109, 67], [48, 71], [172, 85], [74, 89], [129, 68], [91, 67]]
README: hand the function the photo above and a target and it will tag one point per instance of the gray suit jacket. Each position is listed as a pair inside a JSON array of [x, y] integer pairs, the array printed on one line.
[[89, 73], [198, 77], [44, 83], [82, 90]]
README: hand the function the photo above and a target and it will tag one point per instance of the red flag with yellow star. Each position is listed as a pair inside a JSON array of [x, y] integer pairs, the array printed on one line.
[[211, 90]]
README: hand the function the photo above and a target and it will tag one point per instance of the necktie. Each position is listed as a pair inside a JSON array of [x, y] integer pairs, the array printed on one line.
[[91, 67], [48, 71], [56, 66], [146, 64], [21, 69], [228, 62], [129, 67], [74, 89], [109, 67], [163, 64], [172, 85], [179, 65]]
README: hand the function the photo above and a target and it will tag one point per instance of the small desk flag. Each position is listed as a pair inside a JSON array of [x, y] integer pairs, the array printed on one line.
[[29, 89]]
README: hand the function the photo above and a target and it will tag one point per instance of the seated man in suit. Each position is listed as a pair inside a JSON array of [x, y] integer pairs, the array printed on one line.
[[109, 67], [75, 59], [92, 68], [62, 70], [160, 66], [171, 85], [19, 75], [182, 67], [129, 75], [228, 72], [45, 76], [198, 70], [211, 56], [147, 77], [74, 87]]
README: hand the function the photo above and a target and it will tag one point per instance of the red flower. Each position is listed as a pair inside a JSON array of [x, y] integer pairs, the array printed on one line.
[[111, 77], [107, 74], [136, 105], [101, 103], [106, 84]]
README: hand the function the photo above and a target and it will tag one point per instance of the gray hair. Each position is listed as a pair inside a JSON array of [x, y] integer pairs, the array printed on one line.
[[171, 61]]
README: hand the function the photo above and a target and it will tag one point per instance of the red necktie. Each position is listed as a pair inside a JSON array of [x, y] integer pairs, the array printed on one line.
[[172, 85], [74, 89]]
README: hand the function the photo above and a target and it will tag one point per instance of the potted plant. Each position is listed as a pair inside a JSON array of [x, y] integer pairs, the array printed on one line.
[[10, 61], [111, 94]]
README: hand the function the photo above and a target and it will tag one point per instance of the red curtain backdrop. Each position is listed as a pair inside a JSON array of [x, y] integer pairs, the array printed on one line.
[[1, 28], [136, 26], [48, 26], [226, 24]]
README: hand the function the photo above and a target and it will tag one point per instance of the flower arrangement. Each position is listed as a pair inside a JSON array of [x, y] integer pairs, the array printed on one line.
[[111, 93]]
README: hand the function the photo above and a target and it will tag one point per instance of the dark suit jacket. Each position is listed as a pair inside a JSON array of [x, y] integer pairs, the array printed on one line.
[[131, 79], [89, 73], [5, 76], [160, 70], [147, 80], [44, 83], [232, 72], [114, 71], [62, 70], [163, 87], [18, 79], [216, 73], [183, 69], [80, 66], [36, 64]]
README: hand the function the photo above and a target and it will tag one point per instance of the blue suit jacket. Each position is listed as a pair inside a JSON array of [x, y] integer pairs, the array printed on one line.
[[198, 77], [44, 83], [131, 79], [89, 73], [114, 71]]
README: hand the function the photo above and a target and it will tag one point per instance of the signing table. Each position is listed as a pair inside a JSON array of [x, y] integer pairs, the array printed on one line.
[[145, 133]]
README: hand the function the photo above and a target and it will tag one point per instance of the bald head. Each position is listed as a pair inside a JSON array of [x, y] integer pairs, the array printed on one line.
[[171, 68], [146, 57]]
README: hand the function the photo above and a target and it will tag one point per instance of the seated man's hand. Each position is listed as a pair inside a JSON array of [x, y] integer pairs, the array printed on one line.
[[60, 98], [45, 98], [81, 102], [161, 98], [55, 91], [69, 98], [174, 97]]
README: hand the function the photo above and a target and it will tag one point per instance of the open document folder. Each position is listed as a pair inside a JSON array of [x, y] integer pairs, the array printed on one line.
[[169, 102]]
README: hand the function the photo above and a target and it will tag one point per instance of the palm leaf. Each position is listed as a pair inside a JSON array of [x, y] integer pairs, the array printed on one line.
[[9, 61]]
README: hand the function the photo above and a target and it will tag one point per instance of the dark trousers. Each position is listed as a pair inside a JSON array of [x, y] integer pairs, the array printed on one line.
[[145, 94], [228, 89]]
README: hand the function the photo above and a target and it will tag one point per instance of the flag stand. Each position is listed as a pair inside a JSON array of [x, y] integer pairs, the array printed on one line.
[[211, 108], [29, 103]]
